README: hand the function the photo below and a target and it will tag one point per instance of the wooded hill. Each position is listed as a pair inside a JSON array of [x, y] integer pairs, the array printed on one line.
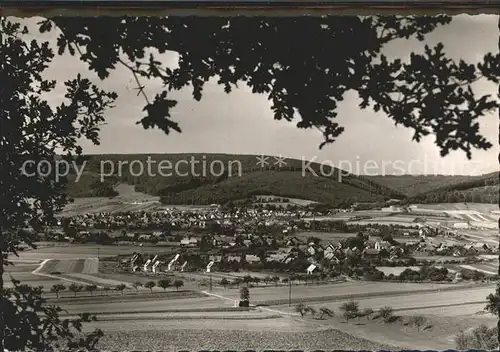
[[476, 189], [240, 176]]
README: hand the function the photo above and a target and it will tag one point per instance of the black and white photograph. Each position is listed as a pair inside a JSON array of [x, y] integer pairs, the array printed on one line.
[[190, 183]]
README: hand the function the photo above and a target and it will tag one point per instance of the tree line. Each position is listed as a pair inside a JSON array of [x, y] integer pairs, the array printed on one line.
[[92, 288]]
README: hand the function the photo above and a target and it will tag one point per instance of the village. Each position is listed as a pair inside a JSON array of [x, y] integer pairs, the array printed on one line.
[[360, 242]]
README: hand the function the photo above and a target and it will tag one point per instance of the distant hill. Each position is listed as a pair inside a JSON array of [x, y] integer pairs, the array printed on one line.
[[90, 185], [242, 178], [413, 185], [476, 189]]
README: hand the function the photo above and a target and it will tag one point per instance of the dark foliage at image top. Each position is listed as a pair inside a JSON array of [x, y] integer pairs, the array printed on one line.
[[304, 65]]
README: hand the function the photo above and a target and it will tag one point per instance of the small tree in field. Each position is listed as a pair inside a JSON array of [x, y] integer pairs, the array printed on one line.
[[224, 282], [75, 288], [164, 284], [367, 312], [57, 288], [311, 311], [301, 309], [106, 289], [323, 311], [178, 284], [245, 294], [91, 289], [247, 279], [137, 285], [417, 321], [350, 310], [150, 285], [386, 313], [120, 287]]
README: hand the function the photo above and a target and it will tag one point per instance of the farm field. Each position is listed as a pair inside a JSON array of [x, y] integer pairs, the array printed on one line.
[[484, 236], [297, 201], [189, 315], [479, 207], [21, 267], [438, 258], [145, 306], [416, 301], [489, 256], [438, 333], [490, 268], [487, 268], [151, 316], [346, 216], [81, 271], [234, 274], [83, 251], [84, 266], [398, 218], [45, 279], [311, 291], [382, 221], [335, 237], [77, 263], [325, 237], [128, 200], [265, 334], [161, 330], [28, 278], [137, 277], [405, 239], [472, 309], [372, 213], [22, 271], [335, 217], [387, 270], [477, 214], [445, 323], [392, 219]]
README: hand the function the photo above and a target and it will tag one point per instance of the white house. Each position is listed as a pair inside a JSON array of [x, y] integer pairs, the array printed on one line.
[[189, 241], [461, 225], [379, 245], [391, 208]]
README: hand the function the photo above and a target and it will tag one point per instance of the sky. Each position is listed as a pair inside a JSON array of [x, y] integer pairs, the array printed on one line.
[[242, 123]]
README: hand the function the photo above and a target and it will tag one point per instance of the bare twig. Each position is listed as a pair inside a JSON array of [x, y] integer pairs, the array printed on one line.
[[140, 87]]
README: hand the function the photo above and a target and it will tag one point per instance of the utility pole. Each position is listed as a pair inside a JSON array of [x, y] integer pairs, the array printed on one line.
[[289, 292], [98, 253], [210, 287]]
